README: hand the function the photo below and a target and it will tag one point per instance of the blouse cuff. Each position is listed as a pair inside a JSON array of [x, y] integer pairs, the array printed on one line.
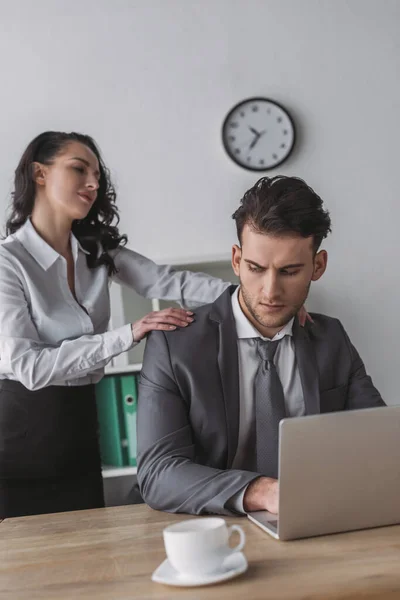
[[119, 340]]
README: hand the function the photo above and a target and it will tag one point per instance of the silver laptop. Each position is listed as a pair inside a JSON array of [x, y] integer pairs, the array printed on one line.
[[337, 472]]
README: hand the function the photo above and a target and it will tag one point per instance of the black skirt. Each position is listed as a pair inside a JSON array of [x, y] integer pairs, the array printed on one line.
[[49, 451]]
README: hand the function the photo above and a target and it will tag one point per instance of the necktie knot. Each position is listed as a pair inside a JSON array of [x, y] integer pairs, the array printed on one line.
[[267, 349]]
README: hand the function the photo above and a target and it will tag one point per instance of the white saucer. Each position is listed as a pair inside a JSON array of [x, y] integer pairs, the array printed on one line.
[[233, 566]]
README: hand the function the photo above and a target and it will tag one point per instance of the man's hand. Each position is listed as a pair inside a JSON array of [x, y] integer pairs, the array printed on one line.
[[262, 494]]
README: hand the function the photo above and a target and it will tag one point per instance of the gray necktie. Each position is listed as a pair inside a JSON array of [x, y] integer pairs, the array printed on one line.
[[269, 409]]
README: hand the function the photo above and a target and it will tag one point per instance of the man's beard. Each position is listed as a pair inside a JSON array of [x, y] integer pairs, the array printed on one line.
[[272, 322]]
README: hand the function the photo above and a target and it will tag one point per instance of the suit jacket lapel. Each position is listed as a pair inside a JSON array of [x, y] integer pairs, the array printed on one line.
[[228, 367], [308, 369]]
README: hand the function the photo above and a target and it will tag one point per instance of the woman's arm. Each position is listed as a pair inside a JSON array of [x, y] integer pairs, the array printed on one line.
[[161, 281], [36, 364]]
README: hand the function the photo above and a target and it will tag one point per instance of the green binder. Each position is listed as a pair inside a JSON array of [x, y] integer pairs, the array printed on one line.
[[113, 445], [129, 397]]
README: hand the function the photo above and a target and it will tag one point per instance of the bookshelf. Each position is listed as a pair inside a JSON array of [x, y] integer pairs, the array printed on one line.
[[110, 471], [134, 368]]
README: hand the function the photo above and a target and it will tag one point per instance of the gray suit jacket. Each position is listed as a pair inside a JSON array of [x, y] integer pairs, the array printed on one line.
[[188, 413]]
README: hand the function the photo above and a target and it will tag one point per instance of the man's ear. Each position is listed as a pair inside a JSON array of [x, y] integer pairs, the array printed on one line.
[[236, 256], [38, 173], [320, 263]]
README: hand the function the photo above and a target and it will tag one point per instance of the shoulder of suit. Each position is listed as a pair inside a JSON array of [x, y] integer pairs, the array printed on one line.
[[201, 327], [323, 323], [203, 310]]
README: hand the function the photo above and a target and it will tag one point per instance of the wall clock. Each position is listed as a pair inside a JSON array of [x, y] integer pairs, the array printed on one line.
[[258, 134]]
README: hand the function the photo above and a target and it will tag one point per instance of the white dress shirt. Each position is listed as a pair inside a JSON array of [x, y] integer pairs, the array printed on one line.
[[249, 360], [47, 337]]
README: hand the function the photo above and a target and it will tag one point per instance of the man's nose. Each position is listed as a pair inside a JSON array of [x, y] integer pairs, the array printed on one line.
[[271, 287]]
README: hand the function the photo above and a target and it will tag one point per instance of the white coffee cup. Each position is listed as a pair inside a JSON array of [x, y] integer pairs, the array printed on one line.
[[199, 546]]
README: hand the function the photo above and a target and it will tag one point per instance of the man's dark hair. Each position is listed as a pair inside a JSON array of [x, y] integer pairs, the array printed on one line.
[[283, 205]]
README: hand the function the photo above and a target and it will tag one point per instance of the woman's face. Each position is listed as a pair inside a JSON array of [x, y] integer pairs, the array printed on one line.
[[69, 185]]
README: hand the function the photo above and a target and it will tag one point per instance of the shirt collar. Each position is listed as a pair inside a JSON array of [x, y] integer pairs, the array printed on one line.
[[245, 329], [41, 251]]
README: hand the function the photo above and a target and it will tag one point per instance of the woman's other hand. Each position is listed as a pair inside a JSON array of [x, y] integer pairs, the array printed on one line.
[[303, 316]]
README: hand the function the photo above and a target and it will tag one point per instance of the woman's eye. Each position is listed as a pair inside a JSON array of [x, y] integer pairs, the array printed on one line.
[[79, 169]]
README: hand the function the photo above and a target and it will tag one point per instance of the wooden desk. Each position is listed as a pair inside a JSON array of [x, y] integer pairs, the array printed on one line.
[[110, 553]]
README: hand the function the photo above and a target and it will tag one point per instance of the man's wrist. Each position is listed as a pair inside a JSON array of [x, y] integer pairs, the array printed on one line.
[[256, 494]]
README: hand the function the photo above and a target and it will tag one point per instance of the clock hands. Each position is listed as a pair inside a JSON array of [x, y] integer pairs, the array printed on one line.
[[254, 142], [257, 135]]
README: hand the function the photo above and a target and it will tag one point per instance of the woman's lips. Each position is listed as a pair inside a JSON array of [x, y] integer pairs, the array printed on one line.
[[86, 198]]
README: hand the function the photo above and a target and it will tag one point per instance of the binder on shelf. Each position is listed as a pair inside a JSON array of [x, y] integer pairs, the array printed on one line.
[[113, 444], [129, 397]]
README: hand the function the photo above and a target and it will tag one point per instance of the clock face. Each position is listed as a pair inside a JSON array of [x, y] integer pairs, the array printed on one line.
[[258, 134]]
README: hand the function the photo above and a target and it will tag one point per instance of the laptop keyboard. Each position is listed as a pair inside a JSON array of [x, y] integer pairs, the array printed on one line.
[[273, 525]]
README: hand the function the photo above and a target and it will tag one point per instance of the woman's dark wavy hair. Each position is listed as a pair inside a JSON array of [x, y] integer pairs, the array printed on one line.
[[96, 228]]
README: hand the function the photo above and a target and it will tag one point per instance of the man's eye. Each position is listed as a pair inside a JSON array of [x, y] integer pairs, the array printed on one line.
[[289, 273], [254, 269]]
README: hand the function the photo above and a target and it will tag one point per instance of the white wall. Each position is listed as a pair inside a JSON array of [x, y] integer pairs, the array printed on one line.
[[152, 80]]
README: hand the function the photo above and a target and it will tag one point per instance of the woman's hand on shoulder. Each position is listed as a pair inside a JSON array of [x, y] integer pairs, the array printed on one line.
[[164, 320], [303, 317]]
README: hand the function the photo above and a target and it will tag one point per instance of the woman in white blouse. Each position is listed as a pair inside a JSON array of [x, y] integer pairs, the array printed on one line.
[[61, 252]]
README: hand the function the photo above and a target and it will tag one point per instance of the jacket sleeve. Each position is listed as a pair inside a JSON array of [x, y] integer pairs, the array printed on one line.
[[361, 392], [169, 477]]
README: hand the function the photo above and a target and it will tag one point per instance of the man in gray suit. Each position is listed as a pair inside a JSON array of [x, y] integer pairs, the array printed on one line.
[[211, 396]]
